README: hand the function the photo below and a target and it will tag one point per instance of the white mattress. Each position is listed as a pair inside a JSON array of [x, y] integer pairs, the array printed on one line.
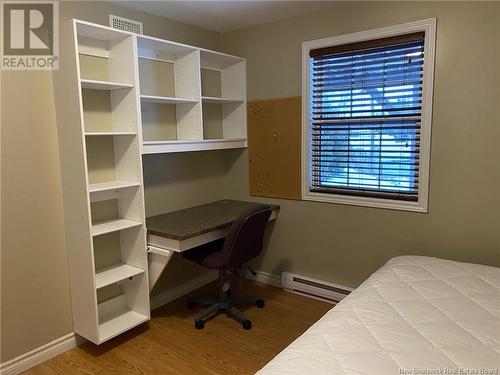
[[415, 315]]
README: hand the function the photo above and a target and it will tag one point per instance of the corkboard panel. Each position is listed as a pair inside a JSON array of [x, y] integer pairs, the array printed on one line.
[[274, 144]]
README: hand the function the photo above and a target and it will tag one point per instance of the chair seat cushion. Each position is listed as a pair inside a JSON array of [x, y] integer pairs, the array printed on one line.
[[209, 255]]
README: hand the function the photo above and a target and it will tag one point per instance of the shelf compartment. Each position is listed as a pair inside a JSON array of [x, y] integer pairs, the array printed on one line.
[[223, 91], [120, 323], [109, 226], [169, 73], [111, 158], [110, 112], [93, 134], [162, 147], [104, 85], [159, 121], [112, 185], [115, 274], [119, 259], [116, 317], [157, 78], [166, 100], [94, 67], [214, 100]]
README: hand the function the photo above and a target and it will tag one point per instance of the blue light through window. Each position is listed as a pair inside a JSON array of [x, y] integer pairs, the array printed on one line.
[[365, 118]]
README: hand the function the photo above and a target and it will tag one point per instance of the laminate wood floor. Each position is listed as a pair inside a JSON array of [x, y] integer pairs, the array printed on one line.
[[169, 343]]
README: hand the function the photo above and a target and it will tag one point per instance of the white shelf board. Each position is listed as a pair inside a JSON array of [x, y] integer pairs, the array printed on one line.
[[110, 226], [212, 99], [104, 85], [217, 60], [112, 185], [120, 323], [154, 48], [99, 32], [93, 134], [161, 147], [166, 100], [114, 274]]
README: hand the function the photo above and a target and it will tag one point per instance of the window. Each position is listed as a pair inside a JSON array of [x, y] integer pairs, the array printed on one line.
[[367, 99]]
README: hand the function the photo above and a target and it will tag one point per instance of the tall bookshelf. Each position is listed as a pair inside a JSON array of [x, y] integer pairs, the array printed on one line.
[[100, 145], [126, 95]]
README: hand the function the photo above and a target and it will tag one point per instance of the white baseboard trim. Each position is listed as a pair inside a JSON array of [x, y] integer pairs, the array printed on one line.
[[180, 290], [40, 354], [265, 278]]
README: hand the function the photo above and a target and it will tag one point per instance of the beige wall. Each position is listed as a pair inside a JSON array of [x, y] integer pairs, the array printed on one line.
[[35, 304], [35, 292], [344, 244]]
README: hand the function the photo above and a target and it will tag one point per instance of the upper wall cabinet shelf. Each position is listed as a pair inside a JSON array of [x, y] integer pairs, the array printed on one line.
[[192, 99]]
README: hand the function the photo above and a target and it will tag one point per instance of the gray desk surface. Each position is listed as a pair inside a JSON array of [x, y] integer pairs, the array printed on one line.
[[193, 221]]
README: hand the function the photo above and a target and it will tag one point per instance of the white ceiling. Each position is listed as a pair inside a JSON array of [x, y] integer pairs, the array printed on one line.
[[226, 15]]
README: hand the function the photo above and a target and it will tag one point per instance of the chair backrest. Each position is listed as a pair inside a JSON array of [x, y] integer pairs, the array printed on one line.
[[245, 238]]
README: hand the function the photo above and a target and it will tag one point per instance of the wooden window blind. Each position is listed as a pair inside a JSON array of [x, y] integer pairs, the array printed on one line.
[[365, 116]]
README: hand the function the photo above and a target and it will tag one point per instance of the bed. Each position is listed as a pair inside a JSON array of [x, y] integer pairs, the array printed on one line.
[[415, 315]]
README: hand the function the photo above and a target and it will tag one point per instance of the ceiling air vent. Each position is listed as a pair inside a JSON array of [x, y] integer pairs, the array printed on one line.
[[125, 24]]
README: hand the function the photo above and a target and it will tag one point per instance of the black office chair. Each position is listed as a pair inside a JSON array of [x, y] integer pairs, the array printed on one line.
[[243, 243]]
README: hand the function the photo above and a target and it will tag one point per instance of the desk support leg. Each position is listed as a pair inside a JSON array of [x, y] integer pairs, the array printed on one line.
[[157, 260]]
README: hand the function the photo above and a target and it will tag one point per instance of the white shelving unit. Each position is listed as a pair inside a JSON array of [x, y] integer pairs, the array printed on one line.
[[175, 115], [128, 95], [100, 142]]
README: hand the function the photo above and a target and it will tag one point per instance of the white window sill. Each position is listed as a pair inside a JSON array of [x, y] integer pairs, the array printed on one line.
[[419, 206]]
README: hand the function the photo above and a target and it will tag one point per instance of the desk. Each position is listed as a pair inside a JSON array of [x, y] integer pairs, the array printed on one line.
[[182, 230]]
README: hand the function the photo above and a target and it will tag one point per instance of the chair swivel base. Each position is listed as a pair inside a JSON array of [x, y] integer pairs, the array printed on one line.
[[227, 305]]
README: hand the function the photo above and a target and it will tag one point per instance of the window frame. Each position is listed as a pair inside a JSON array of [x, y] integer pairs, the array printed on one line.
[[428, 26]]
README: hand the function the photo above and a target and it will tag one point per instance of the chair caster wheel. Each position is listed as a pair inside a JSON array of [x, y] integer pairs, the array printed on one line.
[[191, 305], [199, 324], [260, 303], [246, 324]]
